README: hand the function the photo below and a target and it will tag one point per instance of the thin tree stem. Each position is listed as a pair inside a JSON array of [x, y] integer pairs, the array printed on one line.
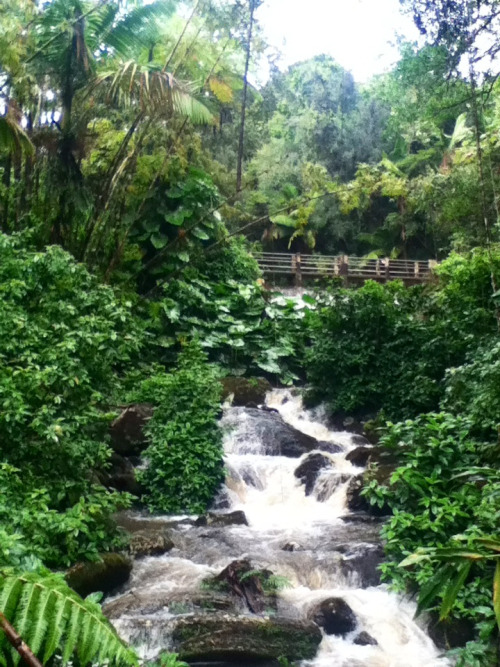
[[16, 641]]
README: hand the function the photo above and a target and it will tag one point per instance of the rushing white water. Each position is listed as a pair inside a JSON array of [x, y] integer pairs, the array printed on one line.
[[303, 538]]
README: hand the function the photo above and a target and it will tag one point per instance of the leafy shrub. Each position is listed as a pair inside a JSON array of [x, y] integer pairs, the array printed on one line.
[[474, 389], [63, 340], [434, 496], [184, 461], [230, 261], [368, 352], [386, 347], [58, 524], [236, 323]]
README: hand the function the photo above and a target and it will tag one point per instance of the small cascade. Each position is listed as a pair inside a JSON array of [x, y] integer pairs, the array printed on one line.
[[287, 472]]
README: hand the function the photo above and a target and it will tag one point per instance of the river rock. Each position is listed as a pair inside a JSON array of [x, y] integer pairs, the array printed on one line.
[[104, 576], [127, 430], [450, 633], [245, 391], [277, 437], [363, 561], [327, 486], [360, 456], [365, 639], [335, 617], [150, 543], [121, 476], [217, 520], [358, 503], [239, 638], [310, 469], [247, 582], [329, 447]]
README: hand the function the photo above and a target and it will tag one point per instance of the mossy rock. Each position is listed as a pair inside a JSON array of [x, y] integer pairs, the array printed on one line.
[[245, 391], [238, 638], [104, 576]]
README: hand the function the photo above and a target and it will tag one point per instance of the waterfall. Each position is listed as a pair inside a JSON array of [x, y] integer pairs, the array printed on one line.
[[313, 540]]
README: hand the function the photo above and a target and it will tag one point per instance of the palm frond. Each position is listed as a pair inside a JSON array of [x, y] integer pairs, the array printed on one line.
[[139, 27], [13, 137], [50, 618], [154, 91]]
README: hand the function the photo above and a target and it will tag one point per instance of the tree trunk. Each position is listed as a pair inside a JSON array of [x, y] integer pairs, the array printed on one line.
[[241, 147]]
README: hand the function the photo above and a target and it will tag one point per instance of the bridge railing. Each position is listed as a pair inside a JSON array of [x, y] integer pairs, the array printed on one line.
[[316, 266]]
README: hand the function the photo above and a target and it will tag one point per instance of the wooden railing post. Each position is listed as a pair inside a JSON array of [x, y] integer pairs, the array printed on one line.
[[387, 264], [298, 270]]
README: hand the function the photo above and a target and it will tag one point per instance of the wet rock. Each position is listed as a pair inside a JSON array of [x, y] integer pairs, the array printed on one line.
[[363, 562], [451, 633], [335, 617], [121, 476], [239, 638], [310, 469], [277, 437], [221, 501], [217, 520], [360, 518], [127, 431], [290, 546], [248, 583], [355, 501], [365, 639], [326, 487], [358, 503], [245, 390], [104, 576], [360, 440], [360, 456], [150, 543], [329, 447]]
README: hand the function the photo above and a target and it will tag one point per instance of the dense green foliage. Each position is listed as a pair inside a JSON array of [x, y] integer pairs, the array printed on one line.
[[124, 277], [387, 348], [184, 460]]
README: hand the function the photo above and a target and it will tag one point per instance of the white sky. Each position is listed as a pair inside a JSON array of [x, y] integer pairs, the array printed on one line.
[[359, 34]]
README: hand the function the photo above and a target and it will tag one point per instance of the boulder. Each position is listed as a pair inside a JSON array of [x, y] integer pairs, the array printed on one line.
[[335, 617], [277, 438], [364, 639], [245, 390], [329, 447], [360, 440], [240, 638], [356, 502], [360, 456], [450, 633], [104, 576], [362, 562], [328, 485], [248, 583], [127, 430], [150, 543], [217, 520], [310, 469], [121, 476]]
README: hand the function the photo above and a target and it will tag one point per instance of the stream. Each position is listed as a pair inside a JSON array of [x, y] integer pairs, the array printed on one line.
[[323, 549]]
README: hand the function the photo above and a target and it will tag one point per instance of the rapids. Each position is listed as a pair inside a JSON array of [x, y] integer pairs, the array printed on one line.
[[306, 540]]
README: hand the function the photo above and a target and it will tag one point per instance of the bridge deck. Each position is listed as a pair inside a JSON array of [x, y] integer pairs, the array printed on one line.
[[301, 267]]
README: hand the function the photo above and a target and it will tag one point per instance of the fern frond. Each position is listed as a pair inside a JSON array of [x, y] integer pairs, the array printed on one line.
[[51, 617]]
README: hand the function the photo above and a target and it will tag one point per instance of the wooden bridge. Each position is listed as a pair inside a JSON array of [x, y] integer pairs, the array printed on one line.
[[349, 269]]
